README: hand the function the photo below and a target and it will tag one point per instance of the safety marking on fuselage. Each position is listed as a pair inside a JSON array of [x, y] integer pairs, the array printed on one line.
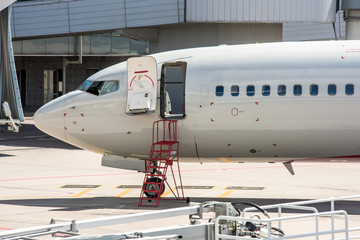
[[243, 188], [129, 186], [124, 192], [80, 186], [197, 187], [225, 160], [225, 194]]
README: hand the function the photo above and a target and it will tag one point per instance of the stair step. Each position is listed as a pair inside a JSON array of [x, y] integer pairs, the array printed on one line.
[[158, 159], [152, 167], [154, 175], [165, 143]]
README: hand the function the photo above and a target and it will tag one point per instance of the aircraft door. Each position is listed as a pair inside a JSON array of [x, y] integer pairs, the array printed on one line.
[[172, 90], [142, 84]]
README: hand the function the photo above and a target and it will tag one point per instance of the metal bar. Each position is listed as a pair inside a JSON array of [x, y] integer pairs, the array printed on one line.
[[303, 208], [223, 236], [268, 222], [302, 203], [269, 230], [20, 112], [353, 237], [317, 226], [193, 210], [332, 208], [159, 237]]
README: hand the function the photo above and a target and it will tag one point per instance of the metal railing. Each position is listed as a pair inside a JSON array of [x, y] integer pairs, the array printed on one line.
[[269, 223]]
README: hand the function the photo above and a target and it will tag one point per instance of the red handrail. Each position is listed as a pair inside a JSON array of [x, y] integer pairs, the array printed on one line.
[[168, 133]]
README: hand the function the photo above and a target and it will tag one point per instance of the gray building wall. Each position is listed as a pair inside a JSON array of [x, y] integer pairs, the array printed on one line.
[[34, 68], [315, 31], [199, 35], [265, 11], [63, 17]]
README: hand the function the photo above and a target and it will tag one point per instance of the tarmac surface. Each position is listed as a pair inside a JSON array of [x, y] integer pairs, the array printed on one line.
[[42, 178]]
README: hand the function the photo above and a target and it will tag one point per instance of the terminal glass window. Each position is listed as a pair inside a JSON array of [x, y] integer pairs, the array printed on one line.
[[94, 44], [234, 90], [314, 90], [120, 45], [250, 90], [332, 89], [100, 44], [281, 90], [219, 90], [297, 90], [265, 90], [349, 89]]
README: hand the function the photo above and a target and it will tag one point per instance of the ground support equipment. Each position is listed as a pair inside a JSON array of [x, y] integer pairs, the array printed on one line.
[[164, 154], [217, 221]]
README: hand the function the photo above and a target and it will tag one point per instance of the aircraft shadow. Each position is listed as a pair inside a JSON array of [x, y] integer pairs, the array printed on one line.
[[30, 136], [80, 204]]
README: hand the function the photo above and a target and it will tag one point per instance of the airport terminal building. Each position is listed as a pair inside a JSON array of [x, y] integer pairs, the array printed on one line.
[[59, 43]]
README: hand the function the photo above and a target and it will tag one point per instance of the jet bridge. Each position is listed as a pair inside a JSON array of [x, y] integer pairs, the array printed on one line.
[[215, 221], [12, 113]]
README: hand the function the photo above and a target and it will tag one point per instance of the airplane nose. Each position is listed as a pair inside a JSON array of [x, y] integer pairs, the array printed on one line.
[[50, 118]]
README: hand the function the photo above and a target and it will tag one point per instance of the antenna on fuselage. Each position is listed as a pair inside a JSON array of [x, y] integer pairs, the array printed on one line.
[[289, 167]]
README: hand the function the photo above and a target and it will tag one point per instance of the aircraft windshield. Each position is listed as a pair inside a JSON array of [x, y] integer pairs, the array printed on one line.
[[85, 85], [95, 87], [99, 87]]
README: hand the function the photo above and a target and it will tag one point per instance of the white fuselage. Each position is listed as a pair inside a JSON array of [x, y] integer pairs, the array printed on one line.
[[296, 123]]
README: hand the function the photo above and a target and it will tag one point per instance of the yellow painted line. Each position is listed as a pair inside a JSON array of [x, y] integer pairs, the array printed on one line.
[[225, 194], [124, 193], [83, 192], [168, 192], [225, 160], [86, 191]]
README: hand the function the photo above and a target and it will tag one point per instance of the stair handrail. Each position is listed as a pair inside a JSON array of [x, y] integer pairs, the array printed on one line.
[[168, 126]]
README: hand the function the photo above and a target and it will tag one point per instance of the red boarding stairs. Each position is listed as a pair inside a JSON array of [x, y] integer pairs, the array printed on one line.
[[164, 154]]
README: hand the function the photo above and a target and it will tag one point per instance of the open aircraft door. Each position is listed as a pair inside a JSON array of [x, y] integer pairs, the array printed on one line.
[[142, 84]]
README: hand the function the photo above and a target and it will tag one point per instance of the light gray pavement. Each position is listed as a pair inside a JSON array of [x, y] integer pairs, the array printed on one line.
[[35, 167]]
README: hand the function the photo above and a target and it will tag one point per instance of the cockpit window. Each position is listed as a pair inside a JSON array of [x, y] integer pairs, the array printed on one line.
[[85, 85], [110, 86], [96, 87], [99, 87]]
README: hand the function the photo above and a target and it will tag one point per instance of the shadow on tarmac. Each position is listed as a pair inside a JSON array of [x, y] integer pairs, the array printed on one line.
[[30, 136], [79, 204]]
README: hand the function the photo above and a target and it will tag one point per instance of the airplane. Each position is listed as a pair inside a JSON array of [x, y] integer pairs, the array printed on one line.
[[269, 102]]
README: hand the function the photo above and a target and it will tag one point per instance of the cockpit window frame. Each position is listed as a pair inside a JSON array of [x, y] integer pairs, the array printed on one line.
[[112, 88]]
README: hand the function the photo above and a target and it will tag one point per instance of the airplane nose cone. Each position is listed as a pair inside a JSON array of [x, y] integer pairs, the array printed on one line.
[[50, 118]]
